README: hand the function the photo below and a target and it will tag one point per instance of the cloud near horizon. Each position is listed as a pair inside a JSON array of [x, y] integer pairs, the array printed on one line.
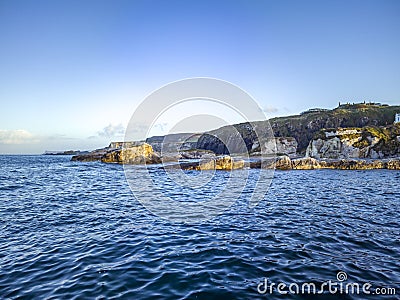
[[112, 131], [17, 137], [24, 142]]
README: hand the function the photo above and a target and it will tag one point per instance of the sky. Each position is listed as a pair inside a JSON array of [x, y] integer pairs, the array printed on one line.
[[73, 72]]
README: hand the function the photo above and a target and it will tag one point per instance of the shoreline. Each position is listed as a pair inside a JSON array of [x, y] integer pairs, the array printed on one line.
[[308, 163], [203, 160]]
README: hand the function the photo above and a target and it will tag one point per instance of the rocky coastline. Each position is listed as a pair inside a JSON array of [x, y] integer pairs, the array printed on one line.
[[307, 163], [349, 137], [205, 160]]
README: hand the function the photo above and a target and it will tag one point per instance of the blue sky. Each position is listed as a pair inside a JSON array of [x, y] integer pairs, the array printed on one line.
[[72, 72]]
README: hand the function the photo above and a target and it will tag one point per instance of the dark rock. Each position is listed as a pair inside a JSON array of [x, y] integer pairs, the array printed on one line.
[[95, 155]]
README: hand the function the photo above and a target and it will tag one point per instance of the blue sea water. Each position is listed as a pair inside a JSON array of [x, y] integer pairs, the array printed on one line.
[[71, 230]]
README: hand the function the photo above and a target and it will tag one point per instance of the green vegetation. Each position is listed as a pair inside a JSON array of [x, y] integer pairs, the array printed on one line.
[[385, 137], [304, 127]]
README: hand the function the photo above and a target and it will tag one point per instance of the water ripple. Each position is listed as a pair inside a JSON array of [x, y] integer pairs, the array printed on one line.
[[73, 230]]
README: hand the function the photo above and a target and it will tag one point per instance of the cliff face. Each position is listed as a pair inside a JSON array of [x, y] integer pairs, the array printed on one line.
[[229, 139], [366, 142], [278, 146], [303, 127], [241, 138], [174, 142]]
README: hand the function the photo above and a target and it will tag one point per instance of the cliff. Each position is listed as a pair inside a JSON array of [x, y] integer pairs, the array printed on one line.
[[367, 142], [174, 142], [303, 127]]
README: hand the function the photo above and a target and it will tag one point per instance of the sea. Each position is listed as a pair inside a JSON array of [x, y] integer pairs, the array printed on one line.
[[73, 230]]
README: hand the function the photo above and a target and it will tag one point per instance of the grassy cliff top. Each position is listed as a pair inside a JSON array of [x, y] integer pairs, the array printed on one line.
[[304, 126]]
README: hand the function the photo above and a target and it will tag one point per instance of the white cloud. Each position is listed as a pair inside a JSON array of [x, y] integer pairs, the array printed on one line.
[[17, 137], [112, 131], [24, 142]]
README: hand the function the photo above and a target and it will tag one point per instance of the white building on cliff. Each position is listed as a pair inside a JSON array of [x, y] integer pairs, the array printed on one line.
[[397, 118]]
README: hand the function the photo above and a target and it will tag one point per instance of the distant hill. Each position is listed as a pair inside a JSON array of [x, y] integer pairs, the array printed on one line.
[[303, 127], [68, 152]]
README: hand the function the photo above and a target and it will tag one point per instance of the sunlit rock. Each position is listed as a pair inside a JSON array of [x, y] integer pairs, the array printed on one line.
[[345, 143], [221, 163], [306, 163], [140, 154]]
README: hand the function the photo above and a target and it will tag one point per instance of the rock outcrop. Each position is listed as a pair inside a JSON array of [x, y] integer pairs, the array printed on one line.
[[393, 164], [367, 142], [141, 154], [283, 163], [226, 163], [308, 163], [138, 153], [196, 154], [279, 163], [94, 155], [353, 164]]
